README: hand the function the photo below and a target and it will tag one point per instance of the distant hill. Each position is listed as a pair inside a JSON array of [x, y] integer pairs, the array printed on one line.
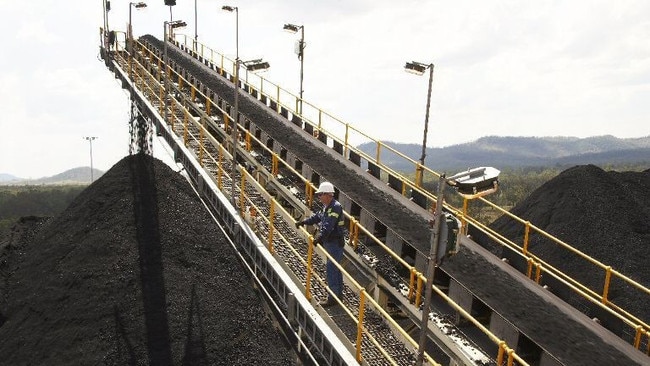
[[7, 177], [513, 152], [79, 175]]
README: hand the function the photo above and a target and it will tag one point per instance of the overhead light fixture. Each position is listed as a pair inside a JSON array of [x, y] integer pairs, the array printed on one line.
[[415, 68], [291, 28], [177, 24], [256, 65], [228, 8], [140, 5]]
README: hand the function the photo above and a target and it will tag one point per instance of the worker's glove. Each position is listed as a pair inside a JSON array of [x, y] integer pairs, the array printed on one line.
[[318, 239], [299, 224]]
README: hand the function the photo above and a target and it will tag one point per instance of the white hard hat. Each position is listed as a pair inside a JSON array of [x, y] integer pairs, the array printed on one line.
[[325, 187]]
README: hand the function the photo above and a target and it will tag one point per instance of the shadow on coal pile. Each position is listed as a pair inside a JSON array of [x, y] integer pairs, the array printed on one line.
[[133, 272]]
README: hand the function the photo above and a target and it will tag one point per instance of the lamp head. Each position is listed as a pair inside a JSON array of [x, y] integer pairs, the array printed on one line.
[[257, 65], [229, 8], [416, 67], [291, 28], [176, 24]]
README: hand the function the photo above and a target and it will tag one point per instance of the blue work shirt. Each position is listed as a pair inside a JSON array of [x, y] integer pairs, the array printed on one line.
[[331, 221]]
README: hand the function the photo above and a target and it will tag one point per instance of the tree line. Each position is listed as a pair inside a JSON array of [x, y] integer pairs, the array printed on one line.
[[20, 201]]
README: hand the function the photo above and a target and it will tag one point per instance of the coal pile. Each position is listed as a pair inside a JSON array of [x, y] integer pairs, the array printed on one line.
[[605, 215], [134, 272]]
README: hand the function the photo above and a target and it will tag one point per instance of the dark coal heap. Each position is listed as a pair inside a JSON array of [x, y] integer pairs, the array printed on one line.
[[605, 215], [134, 272]]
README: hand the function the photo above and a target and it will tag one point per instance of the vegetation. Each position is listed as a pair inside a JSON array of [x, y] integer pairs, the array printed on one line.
[[19, 201]]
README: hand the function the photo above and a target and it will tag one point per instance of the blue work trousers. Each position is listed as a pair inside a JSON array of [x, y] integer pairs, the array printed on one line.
[[334, 276]]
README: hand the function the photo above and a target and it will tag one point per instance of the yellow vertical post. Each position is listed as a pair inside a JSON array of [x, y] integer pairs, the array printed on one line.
[[208, 105], [413, 276], [249, 147], [538, 272], [193, 93], [608, 278], [274, 168], [502, 346], [529, 272], [464, 221], [278, 98], [310, 255], [526, 236], [271, 226], [362, 312], [418, 292], [308, 193], [637, 337]]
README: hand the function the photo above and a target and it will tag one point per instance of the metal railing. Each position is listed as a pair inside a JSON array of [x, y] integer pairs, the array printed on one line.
[[344, 137], [194, 132]]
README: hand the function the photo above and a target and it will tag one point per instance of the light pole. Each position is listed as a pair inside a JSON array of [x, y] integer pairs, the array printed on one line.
[[419, 69], [473, 183], [138, 5], [196, 27], [300, 51], [236, 117], [90, 140], [172, 24]]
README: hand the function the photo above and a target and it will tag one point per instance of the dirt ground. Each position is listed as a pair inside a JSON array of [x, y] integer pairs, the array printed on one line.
[[134, 272]]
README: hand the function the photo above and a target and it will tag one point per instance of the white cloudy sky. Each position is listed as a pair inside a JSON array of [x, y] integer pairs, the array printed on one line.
[[503, 67]]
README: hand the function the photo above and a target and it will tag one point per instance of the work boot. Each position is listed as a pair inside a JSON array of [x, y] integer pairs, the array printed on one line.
[[328, 303]]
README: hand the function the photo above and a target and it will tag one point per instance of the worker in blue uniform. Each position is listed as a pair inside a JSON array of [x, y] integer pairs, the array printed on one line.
[[331, 235]]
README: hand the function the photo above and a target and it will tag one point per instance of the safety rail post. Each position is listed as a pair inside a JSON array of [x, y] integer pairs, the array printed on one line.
[[538, 272], [463, 221], [347, 135], [309, 193], [261, 87], [529, 272], [418, 292], [271, 225], [502, 346], [221, 68], [208, 105], [637, 337], [172, 110], [362, 312], [608, 277], [526, 237], [193, 94], [247, 140], [278, 107], [412, 279], [320, 119], [510, 357], [275, 169], [377, 152], [354, 232], [310, 269]]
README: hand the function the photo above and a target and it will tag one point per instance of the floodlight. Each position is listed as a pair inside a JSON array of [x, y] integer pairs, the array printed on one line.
[[291, 28], [415, 68]]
